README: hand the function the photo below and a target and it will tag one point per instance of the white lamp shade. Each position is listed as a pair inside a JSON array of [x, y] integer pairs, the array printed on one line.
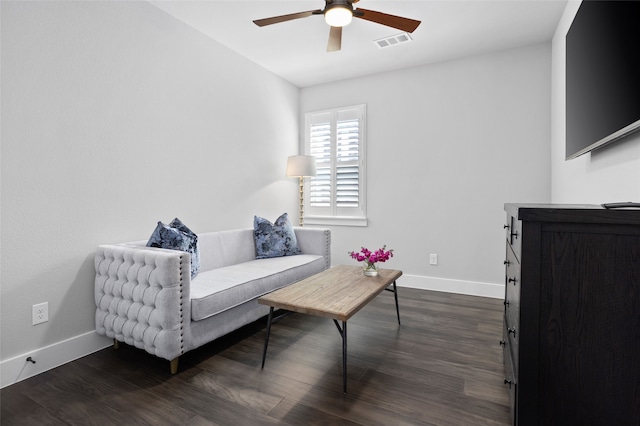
[[301, 165], [338, 16]]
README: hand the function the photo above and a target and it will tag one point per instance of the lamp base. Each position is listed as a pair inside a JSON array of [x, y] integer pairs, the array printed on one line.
[[301, 218]]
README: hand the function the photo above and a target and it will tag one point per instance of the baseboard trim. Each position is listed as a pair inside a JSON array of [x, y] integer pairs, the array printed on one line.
[[16, 369], [472, 288]]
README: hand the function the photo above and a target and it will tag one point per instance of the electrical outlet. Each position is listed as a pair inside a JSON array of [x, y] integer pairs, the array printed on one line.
[[433, 259], [40, 313]]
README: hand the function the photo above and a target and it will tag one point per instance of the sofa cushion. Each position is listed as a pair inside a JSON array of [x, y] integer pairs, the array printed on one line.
[[176, 236], [221, 289], [274, 239]]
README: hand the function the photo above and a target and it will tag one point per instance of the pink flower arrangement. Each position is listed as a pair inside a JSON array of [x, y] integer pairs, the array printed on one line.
[[372, 257]]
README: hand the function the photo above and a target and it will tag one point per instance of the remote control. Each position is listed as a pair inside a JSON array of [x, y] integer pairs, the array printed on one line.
[[625, 205]]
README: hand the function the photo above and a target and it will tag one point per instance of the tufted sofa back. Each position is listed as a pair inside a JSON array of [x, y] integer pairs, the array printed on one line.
[[226, 248], [221, 248]]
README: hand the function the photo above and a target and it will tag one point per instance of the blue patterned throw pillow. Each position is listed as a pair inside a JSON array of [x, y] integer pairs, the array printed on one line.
[[194, 248], [177, 236], [274, 239]]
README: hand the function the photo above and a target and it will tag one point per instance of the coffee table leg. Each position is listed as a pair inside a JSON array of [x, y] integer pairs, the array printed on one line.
[[395, 294], [266, 339], [344, 356], [343, 333]]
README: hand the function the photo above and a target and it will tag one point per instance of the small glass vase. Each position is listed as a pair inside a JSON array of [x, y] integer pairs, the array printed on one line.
[[370, 270]]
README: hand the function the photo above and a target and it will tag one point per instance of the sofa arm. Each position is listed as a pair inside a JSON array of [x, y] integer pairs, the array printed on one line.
[[315, 241], [141, 297]]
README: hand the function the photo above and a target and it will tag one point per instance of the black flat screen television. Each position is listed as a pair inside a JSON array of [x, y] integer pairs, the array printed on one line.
[[602, 75]]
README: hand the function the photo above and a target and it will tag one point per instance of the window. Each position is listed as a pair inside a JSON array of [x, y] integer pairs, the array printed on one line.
[[336, 138]]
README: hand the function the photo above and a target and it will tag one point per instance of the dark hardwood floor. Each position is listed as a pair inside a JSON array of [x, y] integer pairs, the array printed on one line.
[[442, 366]]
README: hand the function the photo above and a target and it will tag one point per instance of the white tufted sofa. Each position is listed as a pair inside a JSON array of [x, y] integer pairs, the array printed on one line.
[[145, 296]]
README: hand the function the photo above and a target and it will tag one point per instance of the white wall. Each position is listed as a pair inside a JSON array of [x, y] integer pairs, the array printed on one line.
[[114, 116], [608, 174], [448, 144]]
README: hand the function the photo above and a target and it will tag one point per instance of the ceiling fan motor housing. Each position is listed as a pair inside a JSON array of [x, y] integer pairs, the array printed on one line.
[[330, 4], [338, 13]]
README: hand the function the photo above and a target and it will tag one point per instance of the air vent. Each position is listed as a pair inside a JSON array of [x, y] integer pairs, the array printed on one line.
[[393, 40]]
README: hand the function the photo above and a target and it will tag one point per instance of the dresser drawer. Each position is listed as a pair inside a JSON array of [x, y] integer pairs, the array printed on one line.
[[512, 342], [510, 375], [512, 291], [514, 235]]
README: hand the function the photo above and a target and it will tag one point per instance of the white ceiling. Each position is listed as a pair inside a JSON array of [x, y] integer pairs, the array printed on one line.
[[296, 50]]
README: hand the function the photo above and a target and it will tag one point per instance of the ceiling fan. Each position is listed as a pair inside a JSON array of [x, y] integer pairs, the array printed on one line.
[[338, 13]]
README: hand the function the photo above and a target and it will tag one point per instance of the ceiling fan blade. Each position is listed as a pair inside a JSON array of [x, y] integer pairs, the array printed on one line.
[[335, 39], [404, 24], [284, 18]]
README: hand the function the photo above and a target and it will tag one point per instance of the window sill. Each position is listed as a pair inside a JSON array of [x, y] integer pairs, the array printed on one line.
[[335, 220]]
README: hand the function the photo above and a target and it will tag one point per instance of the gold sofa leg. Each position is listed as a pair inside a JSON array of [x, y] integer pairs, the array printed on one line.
[[116, 344], [174, 365]]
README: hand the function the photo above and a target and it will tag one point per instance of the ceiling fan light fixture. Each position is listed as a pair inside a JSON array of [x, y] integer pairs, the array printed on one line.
[[338, 16]]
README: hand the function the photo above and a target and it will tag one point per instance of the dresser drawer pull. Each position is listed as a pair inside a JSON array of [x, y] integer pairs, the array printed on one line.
[[508, 382], [512, 280], [512, 330], [505, 303], [506, 227], [507, 262], [514, 235], [503, 343]]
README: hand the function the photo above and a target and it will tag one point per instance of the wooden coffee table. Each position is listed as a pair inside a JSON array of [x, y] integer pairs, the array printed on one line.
[[336, 293]]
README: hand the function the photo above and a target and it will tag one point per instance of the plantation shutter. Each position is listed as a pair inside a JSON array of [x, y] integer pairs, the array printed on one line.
[[347, 168], [320, 148], [336, 139]]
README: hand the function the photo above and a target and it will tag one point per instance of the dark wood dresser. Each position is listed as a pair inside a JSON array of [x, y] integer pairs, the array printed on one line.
[[571, 333]]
